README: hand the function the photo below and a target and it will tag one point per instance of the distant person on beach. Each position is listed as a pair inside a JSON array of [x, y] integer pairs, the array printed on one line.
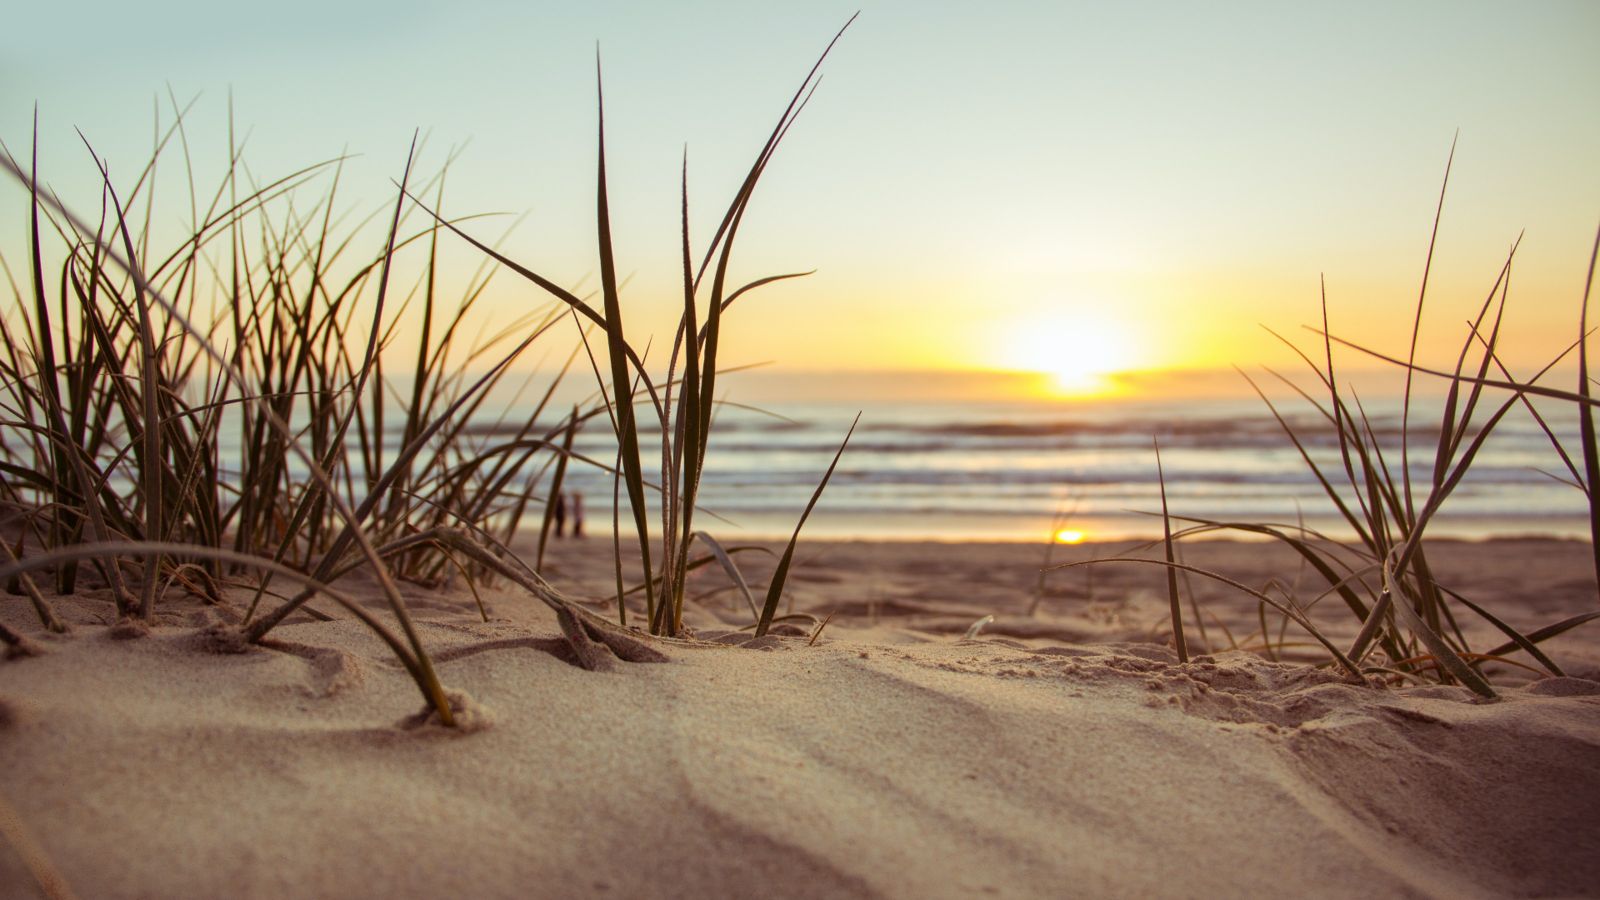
[[561, 513], [577, 514]]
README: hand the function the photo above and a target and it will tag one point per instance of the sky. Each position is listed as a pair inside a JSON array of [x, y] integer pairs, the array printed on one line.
[[1066, 188]]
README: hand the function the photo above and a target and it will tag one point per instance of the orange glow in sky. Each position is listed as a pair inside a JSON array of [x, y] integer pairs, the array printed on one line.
[[1056, 202]]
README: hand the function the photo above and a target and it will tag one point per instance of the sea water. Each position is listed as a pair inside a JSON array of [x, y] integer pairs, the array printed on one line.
[[1023, 471]]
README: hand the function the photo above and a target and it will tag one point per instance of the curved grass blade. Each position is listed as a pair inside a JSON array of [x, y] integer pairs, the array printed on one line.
[[617, 353], [1517, 638], [1294, 614], [818, 633], [781, 574], [52, 883], [1538, 390], [1586, 429], [729, 567], [1443, 653], [1549, 631], [554, 500], [976, 628], [111, 549], [150, 470], [229, 369], [1416, 328], [1172, 572]]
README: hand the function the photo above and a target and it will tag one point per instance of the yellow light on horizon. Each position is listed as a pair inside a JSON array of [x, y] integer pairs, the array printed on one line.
[[1080, 353], [1070, 536]]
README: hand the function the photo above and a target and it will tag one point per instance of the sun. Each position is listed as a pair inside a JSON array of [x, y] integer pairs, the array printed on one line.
[[1070, 536], [1080, 353]]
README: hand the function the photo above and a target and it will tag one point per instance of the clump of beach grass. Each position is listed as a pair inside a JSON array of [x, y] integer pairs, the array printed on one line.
[[1410, 621], [115, 393], [681, 402], [124, 366]]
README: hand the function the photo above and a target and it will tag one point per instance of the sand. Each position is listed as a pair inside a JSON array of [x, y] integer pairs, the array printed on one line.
[[1064, 753]]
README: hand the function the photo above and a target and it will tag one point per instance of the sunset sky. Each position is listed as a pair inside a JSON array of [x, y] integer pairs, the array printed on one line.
[[1031, 187]]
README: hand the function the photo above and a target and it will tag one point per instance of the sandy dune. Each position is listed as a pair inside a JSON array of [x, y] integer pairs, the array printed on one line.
[[1060, 754]]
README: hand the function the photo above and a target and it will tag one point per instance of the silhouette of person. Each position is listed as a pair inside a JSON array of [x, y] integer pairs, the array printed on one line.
[[561, 513], [577, 514]]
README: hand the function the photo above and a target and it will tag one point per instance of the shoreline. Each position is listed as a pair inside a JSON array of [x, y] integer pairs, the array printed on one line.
[[1107, 540]]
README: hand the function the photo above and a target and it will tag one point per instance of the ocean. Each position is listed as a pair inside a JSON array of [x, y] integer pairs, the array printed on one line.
[[1020, 471]]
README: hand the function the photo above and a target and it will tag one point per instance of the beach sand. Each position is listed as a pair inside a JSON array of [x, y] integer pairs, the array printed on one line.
[[1058, 754]]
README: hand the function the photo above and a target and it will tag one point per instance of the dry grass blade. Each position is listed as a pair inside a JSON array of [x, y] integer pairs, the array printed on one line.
[[1584, 400], [231, 371], [41, 606], [52, 883], [976, 628], [1547, 632], [1577, 478], [820, 625], [150, 469], [781, 573], [1518, 639], [1443, 654], [1357, 522], [1293, 614], [1172, 570], [554, 500], [701, 344], [681, 456], [726, 561], [1475, 658], [231, 640], [1058, 521], [313, 495], [1416, 328], [617, 355], [353, 532], [17, 645], [62, 490], [595, 641], [1591, 453]]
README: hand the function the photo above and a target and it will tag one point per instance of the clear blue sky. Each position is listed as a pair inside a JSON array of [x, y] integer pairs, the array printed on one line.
[[967, 174]]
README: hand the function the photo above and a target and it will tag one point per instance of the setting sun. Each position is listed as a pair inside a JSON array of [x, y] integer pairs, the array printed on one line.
[[1079, 353], [1070, 536]]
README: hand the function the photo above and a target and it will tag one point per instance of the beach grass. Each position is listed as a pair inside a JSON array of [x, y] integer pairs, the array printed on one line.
[[682, 401], [1405, 609], [124, 366]]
